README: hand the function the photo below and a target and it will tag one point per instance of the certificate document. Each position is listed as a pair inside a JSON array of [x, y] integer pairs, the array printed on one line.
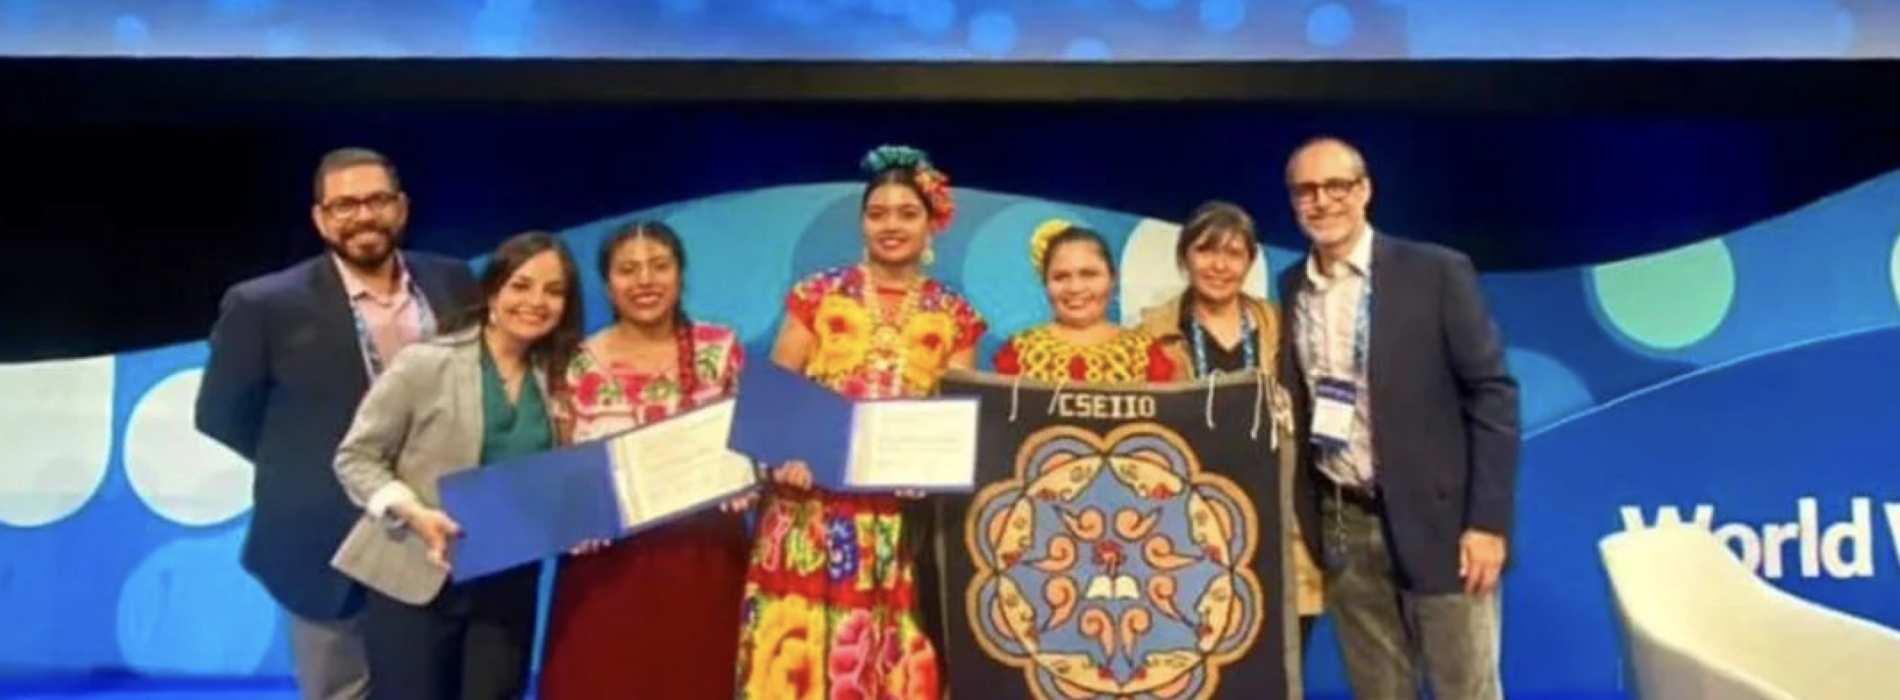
[[855, 446], [677, 466], [923, 444]]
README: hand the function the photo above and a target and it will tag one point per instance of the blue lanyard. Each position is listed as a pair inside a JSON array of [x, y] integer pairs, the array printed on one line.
[[1315, 334], [1248, 340], [373, 359]]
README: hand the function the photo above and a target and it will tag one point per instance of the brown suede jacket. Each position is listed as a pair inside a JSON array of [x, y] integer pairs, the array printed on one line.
[[1163, 321]]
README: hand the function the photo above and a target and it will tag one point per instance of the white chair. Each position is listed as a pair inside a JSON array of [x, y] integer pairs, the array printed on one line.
[[1698, 625]]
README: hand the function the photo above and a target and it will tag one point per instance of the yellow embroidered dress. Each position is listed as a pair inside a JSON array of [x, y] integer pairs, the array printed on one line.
[[831, 606], [1130, 357]]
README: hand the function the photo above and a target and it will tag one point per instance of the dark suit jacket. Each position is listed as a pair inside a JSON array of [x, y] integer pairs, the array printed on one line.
[[285, 375], [1444, 410]]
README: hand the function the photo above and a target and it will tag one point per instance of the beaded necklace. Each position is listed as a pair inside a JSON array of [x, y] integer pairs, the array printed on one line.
[[888, 324], [688, 380], [1248, 338]]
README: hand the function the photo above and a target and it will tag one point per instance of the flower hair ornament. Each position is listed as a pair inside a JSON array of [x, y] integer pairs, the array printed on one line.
[[1039, 242], [934, 184]]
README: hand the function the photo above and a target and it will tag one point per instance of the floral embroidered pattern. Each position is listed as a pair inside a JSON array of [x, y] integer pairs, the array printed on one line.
[[1039, 354], [1114, 566], [843, 547], [610, 397], [830, 596], [866, 353]]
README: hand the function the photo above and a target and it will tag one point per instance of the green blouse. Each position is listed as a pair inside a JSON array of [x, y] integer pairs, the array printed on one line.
[[511, 430]]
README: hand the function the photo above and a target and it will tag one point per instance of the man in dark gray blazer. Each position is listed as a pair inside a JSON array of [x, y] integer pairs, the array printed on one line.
[[292, 354], [1409, 432]]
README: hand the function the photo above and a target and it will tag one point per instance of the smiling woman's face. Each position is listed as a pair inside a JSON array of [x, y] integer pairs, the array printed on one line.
[[1079, 283], [643, 281], [896, 225], [531, 302]]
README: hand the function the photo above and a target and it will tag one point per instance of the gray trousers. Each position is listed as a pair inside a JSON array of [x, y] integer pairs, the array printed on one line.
[[1385, 633], [330, 658]]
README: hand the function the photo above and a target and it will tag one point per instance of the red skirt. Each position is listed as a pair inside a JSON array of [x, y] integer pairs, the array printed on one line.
[[654, 616]]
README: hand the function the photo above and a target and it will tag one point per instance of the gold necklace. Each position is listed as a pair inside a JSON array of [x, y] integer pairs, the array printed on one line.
[[882, 315], [888, 324]]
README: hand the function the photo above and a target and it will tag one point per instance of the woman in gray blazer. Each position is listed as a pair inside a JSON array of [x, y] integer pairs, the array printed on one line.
[[478, 394]]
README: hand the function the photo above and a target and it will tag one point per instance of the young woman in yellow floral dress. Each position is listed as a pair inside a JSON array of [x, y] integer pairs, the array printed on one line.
[[1080, 344], [832, 605]]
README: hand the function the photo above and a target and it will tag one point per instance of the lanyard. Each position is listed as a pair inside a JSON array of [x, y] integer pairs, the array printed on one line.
[[1248, 344], [373, 359], [1317, 343]]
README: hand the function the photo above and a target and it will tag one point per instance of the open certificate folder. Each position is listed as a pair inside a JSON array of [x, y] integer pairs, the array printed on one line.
[[541, 505], [855, 446]]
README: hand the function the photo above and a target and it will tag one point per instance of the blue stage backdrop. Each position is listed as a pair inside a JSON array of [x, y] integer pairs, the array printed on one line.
[[1074, 30], [1742, 382]]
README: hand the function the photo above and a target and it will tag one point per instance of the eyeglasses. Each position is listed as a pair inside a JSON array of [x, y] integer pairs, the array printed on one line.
[[1334, 188], [376, 203]]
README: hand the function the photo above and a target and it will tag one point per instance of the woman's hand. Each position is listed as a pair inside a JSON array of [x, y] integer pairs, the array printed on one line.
[[589, 547], [739, 503], [795, 474], [434, 527]]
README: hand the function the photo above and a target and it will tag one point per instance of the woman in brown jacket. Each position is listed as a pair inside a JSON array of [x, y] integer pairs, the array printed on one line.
[[1215, 327]]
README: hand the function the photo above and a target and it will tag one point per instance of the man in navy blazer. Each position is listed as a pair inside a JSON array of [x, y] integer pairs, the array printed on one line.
[[1408, 425], [292, 354]]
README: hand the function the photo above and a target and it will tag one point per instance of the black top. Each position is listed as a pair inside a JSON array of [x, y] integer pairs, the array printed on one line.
[[1223, 358]]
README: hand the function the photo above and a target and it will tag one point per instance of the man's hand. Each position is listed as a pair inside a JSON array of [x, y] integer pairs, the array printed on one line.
[[1480, 561]]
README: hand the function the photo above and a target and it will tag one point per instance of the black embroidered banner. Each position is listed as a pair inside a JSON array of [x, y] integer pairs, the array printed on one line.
[[1123, 543]]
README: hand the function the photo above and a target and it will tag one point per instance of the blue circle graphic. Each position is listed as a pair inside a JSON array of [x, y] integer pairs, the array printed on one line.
[[1222, 16], [1551, 390], [185, 610], [1671, 300], [1329, 25], [993, 33]]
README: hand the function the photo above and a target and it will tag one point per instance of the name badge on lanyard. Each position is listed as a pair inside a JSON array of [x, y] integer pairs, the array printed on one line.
[[1335, 403], [1336, 398]]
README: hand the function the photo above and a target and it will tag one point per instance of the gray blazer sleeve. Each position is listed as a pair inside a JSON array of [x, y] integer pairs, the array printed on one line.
[[366, 459]]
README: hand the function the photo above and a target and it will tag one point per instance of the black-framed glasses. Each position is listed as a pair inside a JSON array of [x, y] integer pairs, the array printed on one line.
[[375, 203], [1333, 188]]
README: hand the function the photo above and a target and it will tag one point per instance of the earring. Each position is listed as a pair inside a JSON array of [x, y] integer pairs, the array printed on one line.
[[929, 256]]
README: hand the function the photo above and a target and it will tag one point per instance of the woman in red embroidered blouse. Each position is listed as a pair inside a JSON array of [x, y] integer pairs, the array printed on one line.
[[1081, 345], [834, 604], [650, 616]]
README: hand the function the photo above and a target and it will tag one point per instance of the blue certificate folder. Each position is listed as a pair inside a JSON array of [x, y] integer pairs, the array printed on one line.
[[782, 416], [537, 506]]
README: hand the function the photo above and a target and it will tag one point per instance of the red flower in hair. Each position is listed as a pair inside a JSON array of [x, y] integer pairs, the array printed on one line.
[[936, 187]]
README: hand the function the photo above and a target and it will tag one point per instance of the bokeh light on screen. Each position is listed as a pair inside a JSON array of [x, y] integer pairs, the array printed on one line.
[[1122, 30]]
